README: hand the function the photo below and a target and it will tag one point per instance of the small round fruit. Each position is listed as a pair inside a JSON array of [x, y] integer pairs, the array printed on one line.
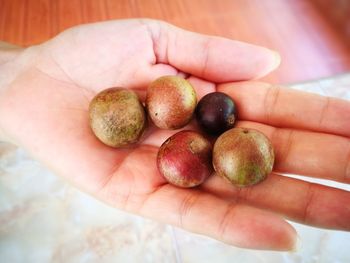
[[243, 156], [170, 102], [184, 159], [117, 117], [216, 112]]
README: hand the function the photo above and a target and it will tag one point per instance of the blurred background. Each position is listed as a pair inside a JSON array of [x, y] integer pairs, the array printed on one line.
[[43, 219], [313, 36]]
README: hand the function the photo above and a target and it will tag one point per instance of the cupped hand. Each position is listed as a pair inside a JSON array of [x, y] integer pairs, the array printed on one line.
[[44, 109]]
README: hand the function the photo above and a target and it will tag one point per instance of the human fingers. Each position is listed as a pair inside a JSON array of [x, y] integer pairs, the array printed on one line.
[[307, 153], [298, 200], [285, 107], [212, 58], [206, 214]]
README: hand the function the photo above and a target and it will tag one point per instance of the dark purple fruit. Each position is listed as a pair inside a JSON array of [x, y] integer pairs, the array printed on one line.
[[184, 159], [170, 102], [216, 112], [243, 156], [117, 117]]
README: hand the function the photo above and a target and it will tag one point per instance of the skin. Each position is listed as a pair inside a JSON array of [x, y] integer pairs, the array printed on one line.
[[44, 96]]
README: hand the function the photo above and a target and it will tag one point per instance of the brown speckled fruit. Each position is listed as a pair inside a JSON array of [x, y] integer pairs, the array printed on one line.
[[184, 159], [117, 117], [170, 102], [243, 156]]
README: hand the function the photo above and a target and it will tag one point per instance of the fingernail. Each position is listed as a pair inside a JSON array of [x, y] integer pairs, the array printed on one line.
[[270, 64], [277, 59], [297, 245]]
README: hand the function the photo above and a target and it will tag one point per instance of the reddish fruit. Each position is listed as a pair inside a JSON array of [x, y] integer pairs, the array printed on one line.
[[170, 102], [243, 156], [184, 159]]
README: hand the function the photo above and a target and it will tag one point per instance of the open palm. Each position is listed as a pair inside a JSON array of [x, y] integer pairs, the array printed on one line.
[[48, 116]]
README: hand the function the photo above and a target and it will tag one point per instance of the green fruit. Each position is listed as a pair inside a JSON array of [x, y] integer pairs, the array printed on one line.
[[243, 156], [170, 102], [117, 117]]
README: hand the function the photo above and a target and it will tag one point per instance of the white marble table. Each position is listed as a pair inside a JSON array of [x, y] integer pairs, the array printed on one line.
[[43, 219]]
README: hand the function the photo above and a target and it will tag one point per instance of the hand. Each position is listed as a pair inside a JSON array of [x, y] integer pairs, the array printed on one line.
[[44, 109]]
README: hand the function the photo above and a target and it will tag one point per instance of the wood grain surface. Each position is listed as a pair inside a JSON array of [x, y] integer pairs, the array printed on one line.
[[309, 44]]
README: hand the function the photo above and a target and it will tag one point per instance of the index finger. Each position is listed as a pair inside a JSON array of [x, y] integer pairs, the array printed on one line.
[[212, 58], [289, 108]]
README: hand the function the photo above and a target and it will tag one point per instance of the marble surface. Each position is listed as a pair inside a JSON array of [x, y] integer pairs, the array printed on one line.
[[43, 219]]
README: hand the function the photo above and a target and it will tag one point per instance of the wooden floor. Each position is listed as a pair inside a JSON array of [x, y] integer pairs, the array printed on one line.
[[310, 47]]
